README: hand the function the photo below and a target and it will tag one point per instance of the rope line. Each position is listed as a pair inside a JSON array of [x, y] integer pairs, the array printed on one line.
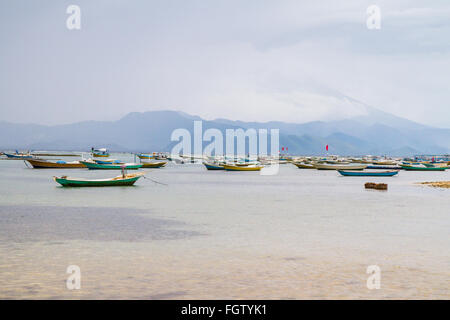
[[155, 181]]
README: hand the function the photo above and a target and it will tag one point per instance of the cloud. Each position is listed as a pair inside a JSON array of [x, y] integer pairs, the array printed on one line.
[[249, 60]]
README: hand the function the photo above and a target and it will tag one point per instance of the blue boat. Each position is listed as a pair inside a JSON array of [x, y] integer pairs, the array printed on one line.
[[210, 166], [382, 167], [111, 161], [18, 156], [368, 173]]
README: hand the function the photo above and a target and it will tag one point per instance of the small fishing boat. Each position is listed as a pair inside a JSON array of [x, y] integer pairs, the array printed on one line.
[[415, 168], [145, 156], [91, 165], [19, 156], [45, 164], [368, 173], [107, 161], [102, 152], [323, 166], [213, 166], [383, 167], [156, 164], [242, 168], [304, 165], [122, 180]]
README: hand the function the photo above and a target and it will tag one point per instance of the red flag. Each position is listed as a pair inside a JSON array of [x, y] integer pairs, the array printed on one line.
[[282, 148], [286, 148], [327, 147]]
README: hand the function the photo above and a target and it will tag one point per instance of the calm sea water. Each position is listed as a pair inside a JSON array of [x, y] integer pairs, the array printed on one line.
[[223, 235]]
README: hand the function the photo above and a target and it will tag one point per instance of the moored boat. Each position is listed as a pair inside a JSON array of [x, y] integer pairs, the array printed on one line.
[[146, 156], [46, 164], [19, 156], [213, 166], [304, 165], [107, 161], [122, 180], [368, 173], [242, 168], [153, 164], [96, 166], [102, 152], [415, 168], [383, 167], [324, 166]]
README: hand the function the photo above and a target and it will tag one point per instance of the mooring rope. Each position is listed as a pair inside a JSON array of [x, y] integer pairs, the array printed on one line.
[[155, 181]]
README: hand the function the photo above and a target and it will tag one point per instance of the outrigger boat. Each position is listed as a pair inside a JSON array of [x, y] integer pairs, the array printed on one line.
[[91, 165], [242, 168], [323, 166], [123, 180], [368, 173], [158, 164], [45, 164]]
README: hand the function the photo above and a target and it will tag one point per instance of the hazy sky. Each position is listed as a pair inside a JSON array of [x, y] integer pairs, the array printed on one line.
[[249, 59]]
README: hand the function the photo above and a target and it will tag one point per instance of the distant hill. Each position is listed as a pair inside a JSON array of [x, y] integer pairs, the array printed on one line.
[[375, 132]]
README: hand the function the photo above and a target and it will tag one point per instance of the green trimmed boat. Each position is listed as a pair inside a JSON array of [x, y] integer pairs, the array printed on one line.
[[123, 180], [91, 165], [413, 168]]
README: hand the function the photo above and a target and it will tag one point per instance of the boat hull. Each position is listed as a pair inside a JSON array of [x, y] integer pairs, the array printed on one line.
[[153, 164], [304, 166], [115, 182], [411, 168], [213, 166], [44, 164], [322, 166], [96, 166], [18, 156], [367, 174], [242, 168]]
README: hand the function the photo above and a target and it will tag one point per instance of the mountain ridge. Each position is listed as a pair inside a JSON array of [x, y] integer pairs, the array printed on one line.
[[376, 133]]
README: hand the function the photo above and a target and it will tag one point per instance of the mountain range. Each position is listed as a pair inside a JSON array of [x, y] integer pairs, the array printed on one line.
[[375, 132]]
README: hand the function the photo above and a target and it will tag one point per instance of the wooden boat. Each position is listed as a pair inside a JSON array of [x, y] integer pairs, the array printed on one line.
[[122, 180], [158, 164], [213, 166], [45, 164], [304, 165], [145, 156], [413, 168], [384, 163], [368, 173], [323, 166], [91, 165], [241, 168], [383, 167], [107, 161], [100, 153], [18, 156]]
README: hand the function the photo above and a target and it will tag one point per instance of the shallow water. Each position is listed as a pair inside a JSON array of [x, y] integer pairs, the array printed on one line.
[[218, 235]]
